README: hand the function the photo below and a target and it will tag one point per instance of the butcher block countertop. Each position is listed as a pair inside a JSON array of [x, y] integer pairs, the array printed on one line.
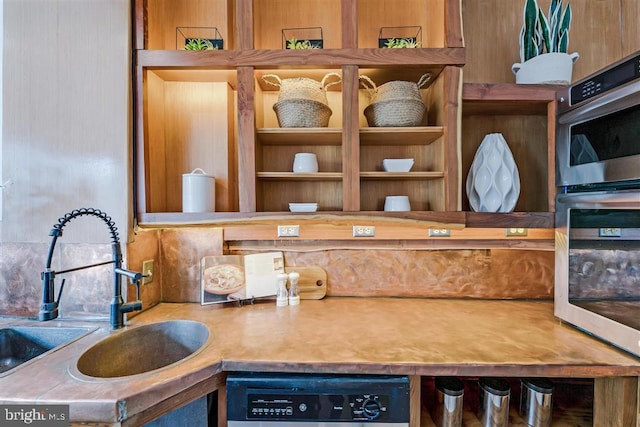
[[420, 337]]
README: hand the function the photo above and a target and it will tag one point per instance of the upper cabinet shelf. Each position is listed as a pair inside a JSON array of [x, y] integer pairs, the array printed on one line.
[[265, 25], [526, 116], [210, 109], [418, 135]]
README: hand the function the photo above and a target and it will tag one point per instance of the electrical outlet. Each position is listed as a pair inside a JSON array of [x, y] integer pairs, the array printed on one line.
[[609, 232], [147, 271], [512, 231], [439, 232], [364, 231], [288, 230]]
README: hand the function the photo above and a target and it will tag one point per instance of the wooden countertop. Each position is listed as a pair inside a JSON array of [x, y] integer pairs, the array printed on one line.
[[426, 337]]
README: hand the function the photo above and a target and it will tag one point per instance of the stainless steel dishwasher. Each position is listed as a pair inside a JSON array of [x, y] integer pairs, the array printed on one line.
[[306, 400]]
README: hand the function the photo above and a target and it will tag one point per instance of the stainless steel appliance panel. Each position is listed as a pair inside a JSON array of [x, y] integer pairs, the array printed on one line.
[[598, 137], [597, 277]]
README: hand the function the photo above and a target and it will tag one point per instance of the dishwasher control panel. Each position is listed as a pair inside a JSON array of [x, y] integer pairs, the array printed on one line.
[[283, 397], [299, 407]]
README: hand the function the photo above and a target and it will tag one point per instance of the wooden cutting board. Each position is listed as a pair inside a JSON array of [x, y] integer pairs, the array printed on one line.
[[312, 282]]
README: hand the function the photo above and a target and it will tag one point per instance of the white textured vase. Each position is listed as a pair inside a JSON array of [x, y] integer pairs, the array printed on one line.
[[493, 183]]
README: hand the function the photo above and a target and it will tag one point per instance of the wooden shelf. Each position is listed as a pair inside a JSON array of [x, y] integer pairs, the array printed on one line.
[[401, 175], [294, 176], [419, 135], [432, 60], [475, 220], [299, 136], [544, 220]]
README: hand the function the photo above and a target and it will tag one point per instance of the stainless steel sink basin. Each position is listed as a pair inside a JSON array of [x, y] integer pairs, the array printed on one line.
[[20, 344], [143, 349]]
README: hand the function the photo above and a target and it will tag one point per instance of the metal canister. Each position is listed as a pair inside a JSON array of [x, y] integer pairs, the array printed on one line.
[[448, 407], [494, 402], [536, 401]]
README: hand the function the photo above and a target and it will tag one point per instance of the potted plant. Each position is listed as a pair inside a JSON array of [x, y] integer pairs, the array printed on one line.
[[199, 44], [302, 38], [295, 44], [400, 37], [543, 45], [400, 43], [198, 38]]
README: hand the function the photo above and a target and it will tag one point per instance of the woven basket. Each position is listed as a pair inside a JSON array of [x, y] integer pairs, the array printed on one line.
[[302, 87], [395, 113], [396, 89], [302, 113]]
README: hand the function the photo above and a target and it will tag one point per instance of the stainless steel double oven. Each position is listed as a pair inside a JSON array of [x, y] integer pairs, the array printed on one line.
[[598, 205]]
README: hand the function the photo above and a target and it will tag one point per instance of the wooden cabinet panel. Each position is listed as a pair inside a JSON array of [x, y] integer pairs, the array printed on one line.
[[600, 33], [163, 17], [272, 16]]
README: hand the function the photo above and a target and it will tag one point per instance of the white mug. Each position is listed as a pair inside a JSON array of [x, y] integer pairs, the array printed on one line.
[[305, 163], [397, 204], [198, 192]]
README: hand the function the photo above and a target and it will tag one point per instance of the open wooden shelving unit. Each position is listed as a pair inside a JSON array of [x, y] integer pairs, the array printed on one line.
[[252, 154]]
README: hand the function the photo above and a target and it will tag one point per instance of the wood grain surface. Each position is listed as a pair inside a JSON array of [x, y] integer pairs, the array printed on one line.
[[312, 282]]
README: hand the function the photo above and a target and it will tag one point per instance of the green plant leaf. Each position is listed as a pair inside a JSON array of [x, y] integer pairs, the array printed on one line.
[[540, 33], [555, 9], [563, 31], [198, 44], [528, 33], [543, 32], [291, 43]]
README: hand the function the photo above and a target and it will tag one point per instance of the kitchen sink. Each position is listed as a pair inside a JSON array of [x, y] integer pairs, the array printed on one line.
[[20, 344], [143, 349]]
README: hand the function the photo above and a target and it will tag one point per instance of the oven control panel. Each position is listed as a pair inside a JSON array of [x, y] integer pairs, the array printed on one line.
[[353, 407], [610, 78]]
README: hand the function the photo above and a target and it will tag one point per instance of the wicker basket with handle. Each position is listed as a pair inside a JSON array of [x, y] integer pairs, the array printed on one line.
[[302, 113], [303, 87], [394, 89], [395, 103], [302, 102], [395, 112]]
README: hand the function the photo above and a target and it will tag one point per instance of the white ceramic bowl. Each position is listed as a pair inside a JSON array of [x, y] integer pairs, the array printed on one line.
[[397, 165], [303, 207]]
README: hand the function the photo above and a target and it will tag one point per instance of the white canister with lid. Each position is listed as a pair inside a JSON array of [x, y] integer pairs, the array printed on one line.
[[198, 191]]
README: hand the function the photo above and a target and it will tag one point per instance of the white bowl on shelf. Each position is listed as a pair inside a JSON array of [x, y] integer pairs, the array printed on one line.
[[397, 165], [303, 207]]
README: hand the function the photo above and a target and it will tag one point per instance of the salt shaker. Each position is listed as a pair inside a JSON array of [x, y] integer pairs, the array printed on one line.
[[281, 293], [294, 290]]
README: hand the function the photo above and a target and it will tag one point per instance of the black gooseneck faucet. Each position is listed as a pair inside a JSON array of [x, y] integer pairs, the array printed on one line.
[[49, 307]]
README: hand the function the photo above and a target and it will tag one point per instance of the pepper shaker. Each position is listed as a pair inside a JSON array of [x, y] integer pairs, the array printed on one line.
[[294, 290]]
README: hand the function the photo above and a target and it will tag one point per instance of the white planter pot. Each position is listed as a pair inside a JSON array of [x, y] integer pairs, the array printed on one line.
[[493, 183], [548, 68]]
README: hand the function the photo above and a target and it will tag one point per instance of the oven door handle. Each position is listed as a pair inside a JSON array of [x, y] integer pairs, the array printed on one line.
[[622, 198]]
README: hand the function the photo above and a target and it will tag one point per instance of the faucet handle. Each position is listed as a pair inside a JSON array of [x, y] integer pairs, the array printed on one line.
[[133, 276], [137, 283]]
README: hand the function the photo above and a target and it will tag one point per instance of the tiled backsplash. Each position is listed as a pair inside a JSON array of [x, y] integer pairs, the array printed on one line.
[[473, 273]]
